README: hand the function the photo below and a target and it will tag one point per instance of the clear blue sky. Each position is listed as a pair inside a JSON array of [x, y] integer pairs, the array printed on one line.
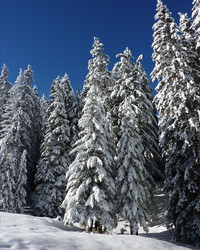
[[56, 36]]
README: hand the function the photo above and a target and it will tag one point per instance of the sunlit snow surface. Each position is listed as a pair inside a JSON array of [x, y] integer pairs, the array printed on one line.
[[35, 233]]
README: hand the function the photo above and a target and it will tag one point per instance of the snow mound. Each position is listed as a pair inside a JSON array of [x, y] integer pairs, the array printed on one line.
[[25, 232]]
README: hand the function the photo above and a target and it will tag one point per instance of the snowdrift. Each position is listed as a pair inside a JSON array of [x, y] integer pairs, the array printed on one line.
[[22, 232]]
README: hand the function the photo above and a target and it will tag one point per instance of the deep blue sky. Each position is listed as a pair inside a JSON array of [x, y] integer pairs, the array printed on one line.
[[56, 36]]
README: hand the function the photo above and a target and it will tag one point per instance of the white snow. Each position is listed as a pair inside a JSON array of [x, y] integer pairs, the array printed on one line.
[[22, 232]]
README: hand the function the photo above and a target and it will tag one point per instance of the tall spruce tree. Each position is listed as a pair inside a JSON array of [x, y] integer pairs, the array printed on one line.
[[149, 127], [15, 138], [31, 106], [43, 111], [178, 102], [189, 39], [196, 21], [71, 106], [21, 185], [36, 137], [129, 114], [5, 85], [7, 181], [54, 161], [90, 178]]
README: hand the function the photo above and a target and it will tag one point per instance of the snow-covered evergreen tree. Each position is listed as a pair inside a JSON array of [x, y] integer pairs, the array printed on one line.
[[129, 114], [90, 178], [149, 126], [5, 85], [189, 39], [12, 144], [90, 183], [196, 21], [178, 102], [99, 73], [7, 181], [71, 106], [16, 137], [132, 177], [54, 161], [43, 111], [36, 137], [44, 106], [21, 184], [31, 106]]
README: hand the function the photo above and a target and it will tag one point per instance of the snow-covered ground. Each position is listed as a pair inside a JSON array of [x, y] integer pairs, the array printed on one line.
[[26, 232], [40, 233]]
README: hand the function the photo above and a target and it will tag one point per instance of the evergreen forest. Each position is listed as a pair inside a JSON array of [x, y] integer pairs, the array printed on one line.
[[96, 156]]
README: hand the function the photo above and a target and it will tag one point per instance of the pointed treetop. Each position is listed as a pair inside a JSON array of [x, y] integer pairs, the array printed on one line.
[[65, 78], [196, 9], [196, 15], [35, 88], [53, 86], [43, 99], [4, 73], [100, 61], [126, 54], [97, 48], [66, 84], [97, 51], [185, 23], [162, 11], [20, 77], [159, 2], [125, 64], [160, 5], [183, 17], [28, 75], [140, 58]]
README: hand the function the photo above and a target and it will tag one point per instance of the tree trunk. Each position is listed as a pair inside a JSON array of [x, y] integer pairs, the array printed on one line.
[[97, 227], [131, 230], [90, 228]]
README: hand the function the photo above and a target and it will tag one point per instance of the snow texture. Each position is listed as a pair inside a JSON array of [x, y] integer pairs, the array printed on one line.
[[20, 232]]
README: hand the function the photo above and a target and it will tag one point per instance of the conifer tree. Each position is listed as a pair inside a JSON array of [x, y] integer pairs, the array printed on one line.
[[7, 182], [36, 137], [43, 111], [13, 140], [31, 106], [21, 185], [129, 114], [149, 127], [189, 40], [54, 161], [90, 184], [71, 107], [178, 104], [16, 139], [196, 21], [99, 73], [44, 105], [5, 85], [90, 178]]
